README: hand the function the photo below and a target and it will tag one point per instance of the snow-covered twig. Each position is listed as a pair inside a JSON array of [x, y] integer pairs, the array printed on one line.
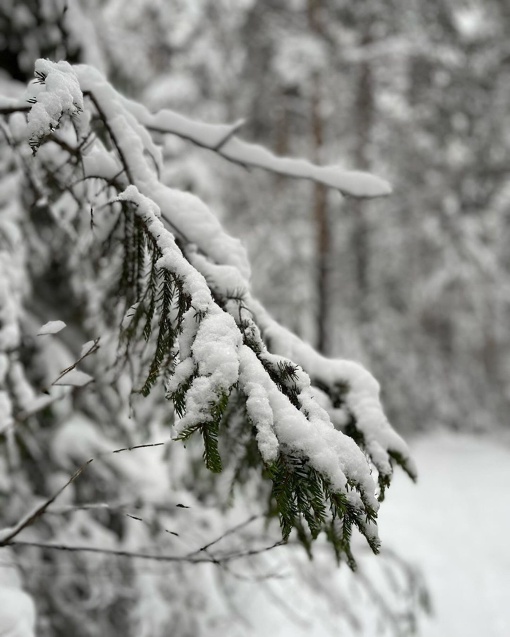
[[222, 140]]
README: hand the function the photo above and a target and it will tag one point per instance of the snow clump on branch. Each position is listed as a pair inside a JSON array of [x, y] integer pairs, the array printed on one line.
[[55, 92]]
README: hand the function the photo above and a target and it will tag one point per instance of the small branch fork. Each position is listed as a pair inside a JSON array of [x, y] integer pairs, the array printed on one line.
[[92, 349]]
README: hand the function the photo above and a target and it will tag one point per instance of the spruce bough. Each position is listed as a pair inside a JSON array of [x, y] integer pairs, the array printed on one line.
[[181, 308]]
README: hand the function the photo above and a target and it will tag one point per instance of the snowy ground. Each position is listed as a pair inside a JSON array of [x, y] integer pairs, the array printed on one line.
[[455, 523]]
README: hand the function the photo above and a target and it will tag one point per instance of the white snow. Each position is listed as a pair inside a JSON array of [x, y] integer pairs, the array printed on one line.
[[313, 436], [224, 261], [259, 411], [455, 524], [208, 135], [172, 259], [11, 102], [86, 348], [348, 182], [22, 390], [98, 162], [77, 440], [298, 57], [362, 397], [17, 611], [60, 94], [224, 279], [215, 348], [183, 371], [52, 327], [215, 352], [210, 345]]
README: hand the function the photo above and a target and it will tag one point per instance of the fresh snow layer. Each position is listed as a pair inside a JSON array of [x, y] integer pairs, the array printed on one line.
[[59, 94], [362, 397], [191, 220], [52, 327], [86, 348], [314, 437], [17, 611], [455, 524], [349, 182], [213, 348], [210, 345]]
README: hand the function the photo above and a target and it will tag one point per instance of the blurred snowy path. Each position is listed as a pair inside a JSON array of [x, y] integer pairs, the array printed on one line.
[[455, 523]]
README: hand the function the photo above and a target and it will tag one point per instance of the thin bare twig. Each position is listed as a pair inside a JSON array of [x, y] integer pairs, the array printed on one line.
[[146, 556], [31, 517], [230, 531], [93, 348], [145, 446], [228, 136]]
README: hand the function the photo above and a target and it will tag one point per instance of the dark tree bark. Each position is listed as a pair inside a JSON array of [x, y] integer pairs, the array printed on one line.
[[363, 117], [319, 207]]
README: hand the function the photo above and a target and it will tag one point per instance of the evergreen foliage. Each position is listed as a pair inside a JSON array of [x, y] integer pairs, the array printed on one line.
[[166, 310], [162, 317]]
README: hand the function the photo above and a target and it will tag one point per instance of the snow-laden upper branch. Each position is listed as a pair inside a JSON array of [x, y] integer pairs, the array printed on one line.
[[221, 138], [192, 219]]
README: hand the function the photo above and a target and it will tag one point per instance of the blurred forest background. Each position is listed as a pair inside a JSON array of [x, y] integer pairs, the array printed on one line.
[[415, 286]]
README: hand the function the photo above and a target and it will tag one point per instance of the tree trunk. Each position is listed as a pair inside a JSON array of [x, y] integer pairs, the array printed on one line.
[[360, 241], [320, 210]]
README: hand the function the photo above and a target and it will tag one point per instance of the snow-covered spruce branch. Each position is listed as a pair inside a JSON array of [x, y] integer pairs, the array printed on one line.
[[213, 341], [308, 459], [344, 388]]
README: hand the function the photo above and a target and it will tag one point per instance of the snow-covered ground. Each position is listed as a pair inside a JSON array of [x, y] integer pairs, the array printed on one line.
[[454, 524]]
